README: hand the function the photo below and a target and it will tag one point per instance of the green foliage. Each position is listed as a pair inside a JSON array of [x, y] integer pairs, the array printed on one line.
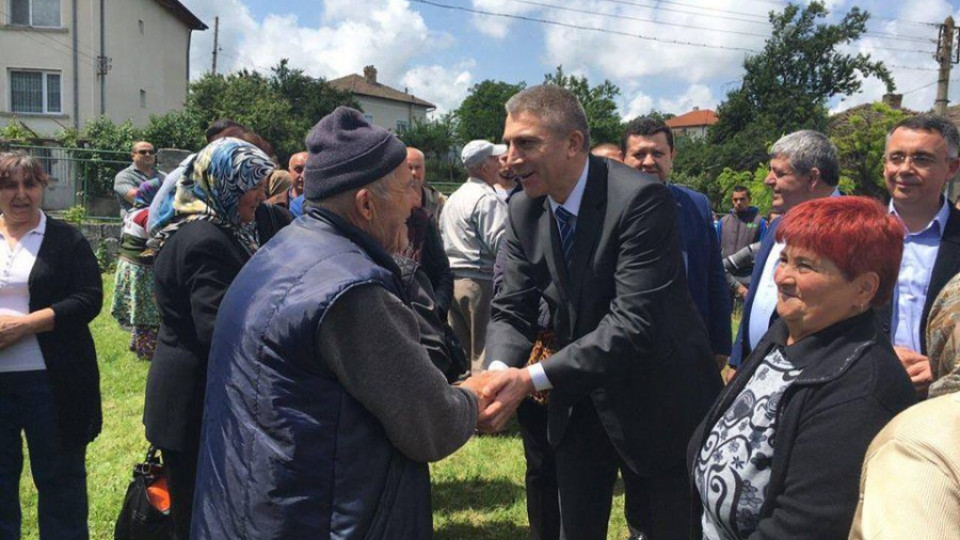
[[599, 102], [436, 139], [860, 136], [103, 149], [481, 115], [760, 195], [176, 129], [787, 86], [75, 214], [16, 131]]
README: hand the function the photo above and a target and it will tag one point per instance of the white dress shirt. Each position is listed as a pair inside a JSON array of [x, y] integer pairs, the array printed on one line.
[[15, 265]]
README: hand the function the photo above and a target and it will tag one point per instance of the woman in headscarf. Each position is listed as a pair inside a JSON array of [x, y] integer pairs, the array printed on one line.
[[204, 238], [134, 300]]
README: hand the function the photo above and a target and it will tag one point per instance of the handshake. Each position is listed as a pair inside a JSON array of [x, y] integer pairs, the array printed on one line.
[[499, 393]]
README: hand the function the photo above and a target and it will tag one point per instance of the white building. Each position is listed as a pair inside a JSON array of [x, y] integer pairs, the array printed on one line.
[[64, 62], [382, 105]]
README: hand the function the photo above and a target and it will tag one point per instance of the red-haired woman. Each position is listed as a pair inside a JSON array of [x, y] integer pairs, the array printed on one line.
[[779, 454]]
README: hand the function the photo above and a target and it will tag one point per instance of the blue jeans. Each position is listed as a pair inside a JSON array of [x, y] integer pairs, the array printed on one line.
[[26, 406]]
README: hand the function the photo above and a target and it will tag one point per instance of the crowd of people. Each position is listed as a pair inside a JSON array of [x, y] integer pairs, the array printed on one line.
[[318, 335]]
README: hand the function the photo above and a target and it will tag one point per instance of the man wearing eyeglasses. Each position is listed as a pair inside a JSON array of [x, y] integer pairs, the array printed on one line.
[[142, 169], [920, 158]]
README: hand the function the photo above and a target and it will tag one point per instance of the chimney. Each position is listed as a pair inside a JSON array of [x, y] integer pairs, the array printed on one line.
[[894, 101], [370, 74], [696, 108]]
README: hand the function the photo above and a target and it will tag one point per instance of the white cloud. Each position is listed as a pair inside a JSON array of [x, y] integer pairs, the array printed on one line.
[[442, 86], [696, 95], [498, 27], [640, 105]]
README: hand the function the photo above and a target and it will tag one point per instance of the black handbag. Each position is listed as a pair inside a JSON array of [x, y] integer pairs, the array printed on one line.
[[145, 514]]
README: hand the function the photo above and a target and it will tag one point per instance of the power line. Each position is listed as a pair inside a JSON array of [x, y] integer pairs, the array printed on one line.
[[639, 19], [913, 68], [577, 27], [674, 10]]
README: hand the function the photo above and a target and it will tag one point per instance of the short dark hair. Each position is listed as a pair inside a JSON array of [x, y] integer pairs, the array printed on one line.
[[932, 122], [219, 126], [21, 162], [742, 189], [645, 126]]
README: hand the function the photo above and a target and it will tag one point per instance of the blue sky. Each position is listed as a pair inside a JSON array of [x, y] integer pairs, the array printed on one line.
[[438, 53]]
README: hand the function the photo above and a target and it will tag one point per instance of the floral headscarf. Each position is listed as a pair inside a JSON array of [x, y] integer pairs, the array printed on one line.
[[211, 187]]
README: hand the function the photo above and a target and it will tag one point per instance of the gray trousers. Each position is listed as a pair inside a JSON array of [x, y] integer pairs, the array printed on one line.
[[469, 315]]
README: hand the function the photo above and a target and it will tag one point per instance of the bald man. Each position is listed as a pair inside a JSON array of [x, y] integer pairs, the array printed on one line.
[[431, 199]]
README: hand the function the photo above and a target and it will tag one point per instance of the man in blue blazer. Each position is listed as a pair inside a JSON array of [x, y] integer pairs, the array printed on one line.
[[647, 145], [803, 166]]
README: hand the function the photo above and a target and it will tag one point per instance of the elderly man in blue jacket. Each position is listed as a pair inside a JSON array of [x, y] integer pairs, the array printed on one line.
[[322, 408]]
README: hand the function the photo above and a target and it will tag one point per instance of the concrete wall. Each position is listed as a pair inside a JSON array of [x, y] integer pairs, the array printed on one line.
[[154, 61], [386, 113]]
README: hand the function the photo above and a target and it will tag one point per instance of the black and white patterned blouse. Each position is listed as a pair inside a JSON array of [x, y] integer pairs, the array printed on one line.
[[733, 468]]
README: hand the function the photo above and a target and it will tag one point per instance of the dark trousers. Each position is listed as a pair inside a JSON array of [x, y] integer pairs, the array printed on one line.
[[181, 469], [27, 406], [543, 501], [587, 465]]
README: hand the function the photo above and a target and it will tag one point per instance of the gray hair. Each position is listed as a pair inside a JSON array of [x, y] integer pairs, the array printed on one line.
[[806, 150], [557, 107], [932, 122]]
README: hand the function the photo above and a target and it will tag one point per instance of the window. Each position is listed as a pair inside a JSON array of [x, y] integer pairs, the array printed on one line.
[[35, 92], [402, 125], [143, 98], [45, 13]]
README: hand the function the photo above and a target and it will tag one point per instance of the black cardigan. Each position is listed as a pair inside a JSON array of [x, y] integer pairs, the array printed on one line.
[[852, 387], [66, 278]]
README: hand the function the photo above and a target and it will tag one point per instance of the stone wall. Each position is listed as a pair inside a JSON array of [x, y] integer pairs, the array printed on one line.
[[105, 236]]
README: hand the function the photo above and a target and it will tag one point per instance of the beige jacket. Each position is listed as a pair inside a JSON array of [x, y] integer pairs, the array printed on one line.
[[910, 486]]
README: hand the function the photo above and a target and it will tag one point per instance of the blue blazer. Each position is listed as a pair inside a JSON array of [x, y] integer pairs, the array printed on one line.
[[741, 347], [701, 253]]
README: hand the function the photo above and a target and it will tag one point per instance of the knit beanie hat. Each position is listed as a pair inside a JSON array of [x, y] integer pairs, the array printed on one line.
[[347, 152]]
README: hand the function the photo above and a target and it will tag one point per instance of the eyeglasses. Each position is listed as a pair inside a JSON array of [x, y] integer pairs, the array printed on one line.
[[920, 161], [146, 152]]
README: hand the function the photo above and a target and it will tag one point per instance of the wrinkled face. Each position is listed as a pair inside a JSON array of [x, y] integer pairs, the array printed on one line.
[[20, 198], [297, 162], [389, 214], [538, 157], [249, 201], [144, 156], [789, 188], [741, 201], [650, 154], [415, 163], [916, 167], [813, 293]]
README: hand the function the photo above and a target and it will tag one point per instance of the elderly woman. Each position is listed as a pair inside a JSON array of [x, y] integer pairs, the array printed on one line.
[[50, 290], [205, 237], [779, 454], [134, 300]]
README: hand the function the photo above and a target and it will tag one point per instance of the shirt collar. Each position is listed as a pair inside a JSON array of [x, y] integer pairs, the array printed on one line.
[[939, 220], [41, 227], [572, 204]]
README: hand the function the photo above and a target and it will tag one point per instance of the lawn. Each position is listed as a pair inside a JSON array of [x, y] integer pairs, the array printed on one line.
[[477, 492]]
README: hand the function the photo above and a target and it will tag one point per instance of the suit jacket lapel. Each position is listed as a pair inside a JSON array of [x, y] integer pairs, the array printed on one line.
[[589, 226], [944, 268]]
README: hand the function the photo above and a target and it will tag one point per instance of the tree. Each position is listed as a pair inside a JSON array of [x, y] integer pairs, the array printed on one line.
[[786, 87], [860, 135], [599, 102], [175, 129], [481, 115], [436, 139]]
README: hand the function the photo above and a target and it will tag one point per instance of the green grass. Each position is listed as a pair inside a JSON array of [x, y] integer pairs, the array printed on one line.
[[478, 492]]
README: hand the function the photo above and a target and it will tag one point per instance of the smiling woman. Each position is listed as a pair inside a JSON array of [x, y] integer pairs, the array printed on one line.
[[778, 455]]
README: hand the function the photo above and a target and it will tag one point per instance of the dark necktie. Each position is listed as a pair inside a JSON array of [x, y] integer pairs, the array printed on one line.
[[568, 223]]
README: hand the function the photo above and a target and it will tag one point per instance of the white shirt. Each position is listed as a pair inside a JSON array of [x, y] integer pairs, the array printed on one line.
[[15, 266], [537, 375]]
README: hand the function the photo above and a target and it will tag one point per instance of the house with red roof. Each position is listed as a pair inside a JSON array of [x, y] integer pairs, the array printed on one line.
[[693, 123]]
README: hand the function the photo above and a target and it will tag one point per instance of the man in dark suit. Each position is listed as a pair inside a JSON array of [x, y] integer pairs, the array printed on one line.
[[647, 145], [633, 373], [920, 157], [803, 166]]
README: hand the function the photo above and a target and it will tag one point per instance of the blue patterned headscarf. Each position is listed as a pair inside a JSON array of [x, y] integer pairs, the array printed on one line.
[[211, 187]]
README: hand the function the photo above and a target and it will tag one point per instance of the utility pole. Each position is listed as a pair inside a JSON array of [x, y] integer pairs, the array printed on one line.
[[216, 41], [946, 54]]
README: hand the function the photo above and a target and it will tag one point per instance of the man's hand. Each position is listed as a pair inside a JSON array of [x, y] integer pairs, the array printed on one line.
[[731, 373], [475, 384], [918, 368], [721, 360], [506, 389], [741, 292]]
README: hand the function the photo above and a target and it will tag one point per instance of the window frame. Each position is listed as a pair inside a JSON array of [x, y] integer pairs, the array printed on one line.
[[44, 85], [30, 22]]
